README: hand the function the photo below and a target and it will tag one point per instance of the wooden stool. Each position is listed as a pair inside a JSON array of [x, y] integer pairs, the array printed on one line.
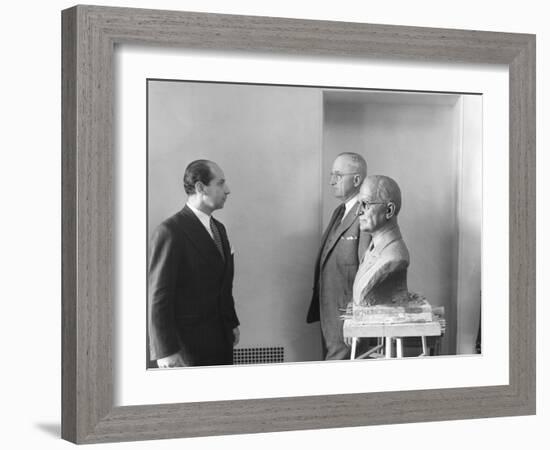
[[386, 333]]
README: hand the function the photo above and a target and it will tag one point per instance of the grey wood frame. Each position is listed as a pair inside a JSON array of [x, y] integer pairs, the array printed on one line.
[[89, 34]]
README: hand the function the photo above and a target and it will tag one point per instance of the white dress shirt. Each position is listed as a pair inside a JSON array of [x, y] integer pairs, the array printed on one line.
[[350, 204], [204, 219]]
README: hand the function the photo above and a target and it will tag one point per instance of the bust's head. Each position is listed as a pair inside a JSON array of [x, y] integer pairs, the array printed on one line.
[[379, 203]]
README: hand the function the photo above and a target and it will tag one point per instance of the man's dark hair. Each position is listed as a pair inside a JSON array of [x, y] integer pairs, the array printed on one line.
[[198, 170]]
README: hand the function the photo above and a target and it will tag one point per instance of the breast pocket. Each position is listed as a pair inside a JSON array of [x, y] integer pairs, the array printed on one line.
[[347, 250]]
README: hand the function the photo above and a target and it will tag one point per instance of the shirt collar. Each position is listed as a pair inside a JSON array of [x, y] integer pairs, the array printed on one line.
[[202, 216], [351, 203]]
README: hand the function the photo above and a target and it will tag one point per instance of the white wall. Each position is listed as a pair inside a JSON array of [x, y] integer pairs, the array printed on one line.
[[469, 289], [267, 141], [30, 226]]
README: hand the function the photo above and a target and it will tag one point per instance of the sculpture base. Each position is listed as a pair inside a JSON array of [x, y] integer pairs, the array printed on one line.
[[416, 309]]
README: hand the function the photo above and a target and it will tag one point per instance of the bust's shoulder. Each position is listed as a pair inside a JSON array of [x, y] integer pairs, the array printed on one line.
[[397, 251]]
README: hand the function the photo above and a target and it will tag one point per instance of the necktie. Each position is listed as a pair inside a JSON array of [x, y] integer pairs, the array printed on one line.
[[217, 237], [339, 216]]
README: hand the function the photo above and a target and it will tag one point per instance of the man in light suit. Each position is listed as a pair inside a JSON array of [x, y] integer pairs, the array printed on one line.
[[382, 275], [191, 311], [342, 247]]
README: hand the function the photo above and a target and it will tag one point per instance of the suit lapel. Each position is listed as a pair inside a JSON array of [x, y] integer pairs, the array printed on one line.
[[225, 240], [200, 238], [324, 241], [228, 257], [348, 221], [388, 238]]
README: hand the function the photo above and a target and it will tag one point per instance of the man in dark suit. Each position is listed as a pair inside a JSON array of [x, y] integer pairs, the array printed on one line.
[[342, 247], [191, 311]]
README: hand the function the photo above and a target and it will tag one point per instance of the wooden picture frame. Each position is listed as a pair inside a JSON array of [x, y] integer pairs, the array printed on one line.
[[89, 36]]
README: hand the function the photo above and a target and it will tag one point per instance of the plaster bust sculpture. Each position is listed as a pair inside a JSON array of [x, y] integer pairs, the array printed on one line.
[[382, 275]]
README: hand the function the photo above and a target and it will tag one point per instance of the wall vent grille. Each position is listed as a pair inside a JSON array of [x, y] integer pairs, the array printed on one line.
[[258, 355]]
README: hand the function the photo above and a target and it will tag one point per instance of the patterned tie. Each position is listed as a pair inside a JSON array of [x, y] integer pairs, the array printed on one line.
[[217, 237]]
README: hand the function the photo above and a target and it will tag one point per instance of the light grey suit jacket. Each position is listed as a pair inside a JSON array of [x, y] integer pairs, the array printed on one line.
[[382, 275], [337, 261], [336, 266]]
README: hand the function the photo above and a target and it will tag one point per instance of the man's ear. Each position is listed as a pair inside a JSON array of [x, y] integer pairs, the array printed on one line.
[[357, 180], [199, 187], [390, 211]]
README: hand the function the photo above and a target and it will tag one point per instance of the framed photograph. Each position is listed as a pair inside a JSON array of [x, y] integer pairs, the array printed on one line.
[[271, 108]]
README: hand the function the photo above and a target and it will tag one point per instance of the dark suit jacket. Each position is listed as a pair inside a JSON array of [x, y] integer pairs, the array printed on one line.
[[337, 263], [191, 307]]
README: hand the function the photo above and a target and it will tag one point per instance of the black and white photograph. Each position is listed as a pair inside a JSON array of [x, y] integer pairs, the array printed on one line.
[[291, 224]]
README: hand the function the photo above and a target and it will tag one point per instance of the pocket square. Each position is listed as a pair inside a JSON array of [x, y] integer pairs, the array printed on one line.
[[349, 238]]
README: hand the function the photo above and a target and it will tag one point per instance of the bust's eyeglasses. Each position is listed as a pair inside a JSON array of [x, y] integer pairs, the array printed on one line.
[[364, 204], [339, 175]]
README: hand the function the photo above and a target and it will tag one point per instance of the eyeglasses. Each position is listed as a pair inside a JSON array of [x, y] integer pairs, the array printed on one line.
[[364, 204], [339, 175]]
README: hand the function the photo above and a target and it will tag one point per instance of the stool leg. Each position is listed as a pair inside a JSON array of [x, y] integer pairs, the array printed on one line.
[[353, 347], [424, 346], [388, 347], [399, 347]]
